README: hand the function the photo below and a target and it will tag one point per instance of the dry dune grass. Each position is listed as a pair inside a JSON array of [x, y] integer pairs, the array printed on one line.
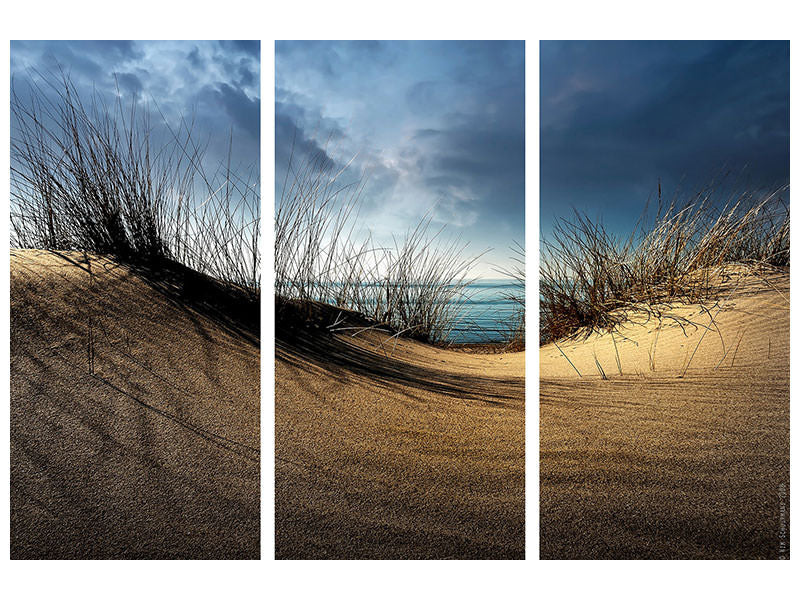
[[93, 175], [674, 440], [134, 413], [590, 278], [391, 448], [414, 286]]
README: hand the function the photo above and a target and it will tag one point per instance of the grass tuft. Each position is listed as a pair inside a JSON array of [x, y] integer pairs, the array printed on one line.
[[414, 287], [91, 177], [590, 279]]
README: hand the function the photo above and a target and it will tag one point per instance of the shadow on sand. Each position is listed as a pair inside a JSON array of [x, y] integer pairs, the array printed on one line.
[[304, 341]]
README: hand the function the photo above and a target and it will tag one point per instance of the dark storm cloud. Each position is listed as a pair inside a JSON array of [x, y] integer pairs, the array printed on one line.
[[438, 127], [195, 59], [301, 135], [214, 83], [243, 111], [251, 47], [129, 83], [484, 160], [617, 116]]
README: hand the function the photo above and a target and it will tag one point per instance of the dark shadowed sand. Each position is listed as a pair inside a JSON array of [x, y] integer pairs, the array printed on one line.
[[406, 452], [154, 454], [655, 466]]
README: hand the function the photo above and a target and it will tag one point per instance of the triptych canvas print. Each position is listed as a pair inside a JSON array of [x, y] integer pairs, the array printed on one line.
[[390, 238]]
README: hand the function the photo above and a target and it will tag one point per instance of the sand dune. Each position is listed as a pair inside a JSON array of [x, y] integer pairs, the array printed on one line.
[[405, 452], [147, 446], [686, 453]]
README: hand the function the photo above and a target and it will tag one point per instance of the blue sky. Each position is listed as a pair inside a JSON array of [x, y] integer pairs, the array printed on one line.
[[217, 82], [617, 116], [436, 126]]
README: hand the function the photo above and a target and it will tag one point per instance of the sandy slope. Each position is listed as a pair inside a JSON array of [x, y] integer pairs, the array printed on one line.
[[665, 460], [415, 453], [153, 455]]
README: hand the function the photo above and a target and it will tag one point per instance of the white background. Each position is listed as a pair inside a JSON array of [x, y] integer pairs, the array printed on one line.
[[410, 19]]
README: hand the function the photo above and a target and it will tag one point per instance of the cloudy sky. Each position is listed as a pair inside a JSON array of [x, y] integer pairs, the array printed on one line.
[[436, 126], [216, 82], [617, 116]]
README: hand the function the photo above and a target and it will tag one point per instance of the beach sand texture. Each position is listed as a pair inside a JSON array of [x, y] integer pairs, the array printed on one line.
[[397, 452], [152, 451], [669, 461]]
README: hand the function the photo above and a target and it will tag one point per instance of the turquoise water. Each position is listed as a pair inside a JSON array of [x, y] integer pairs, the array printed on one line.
[[488, 314]]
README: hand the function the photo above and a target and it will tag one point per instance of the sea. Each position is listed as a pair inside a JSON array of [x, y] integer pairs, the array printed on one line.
[[488, 313], [485, 315]]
